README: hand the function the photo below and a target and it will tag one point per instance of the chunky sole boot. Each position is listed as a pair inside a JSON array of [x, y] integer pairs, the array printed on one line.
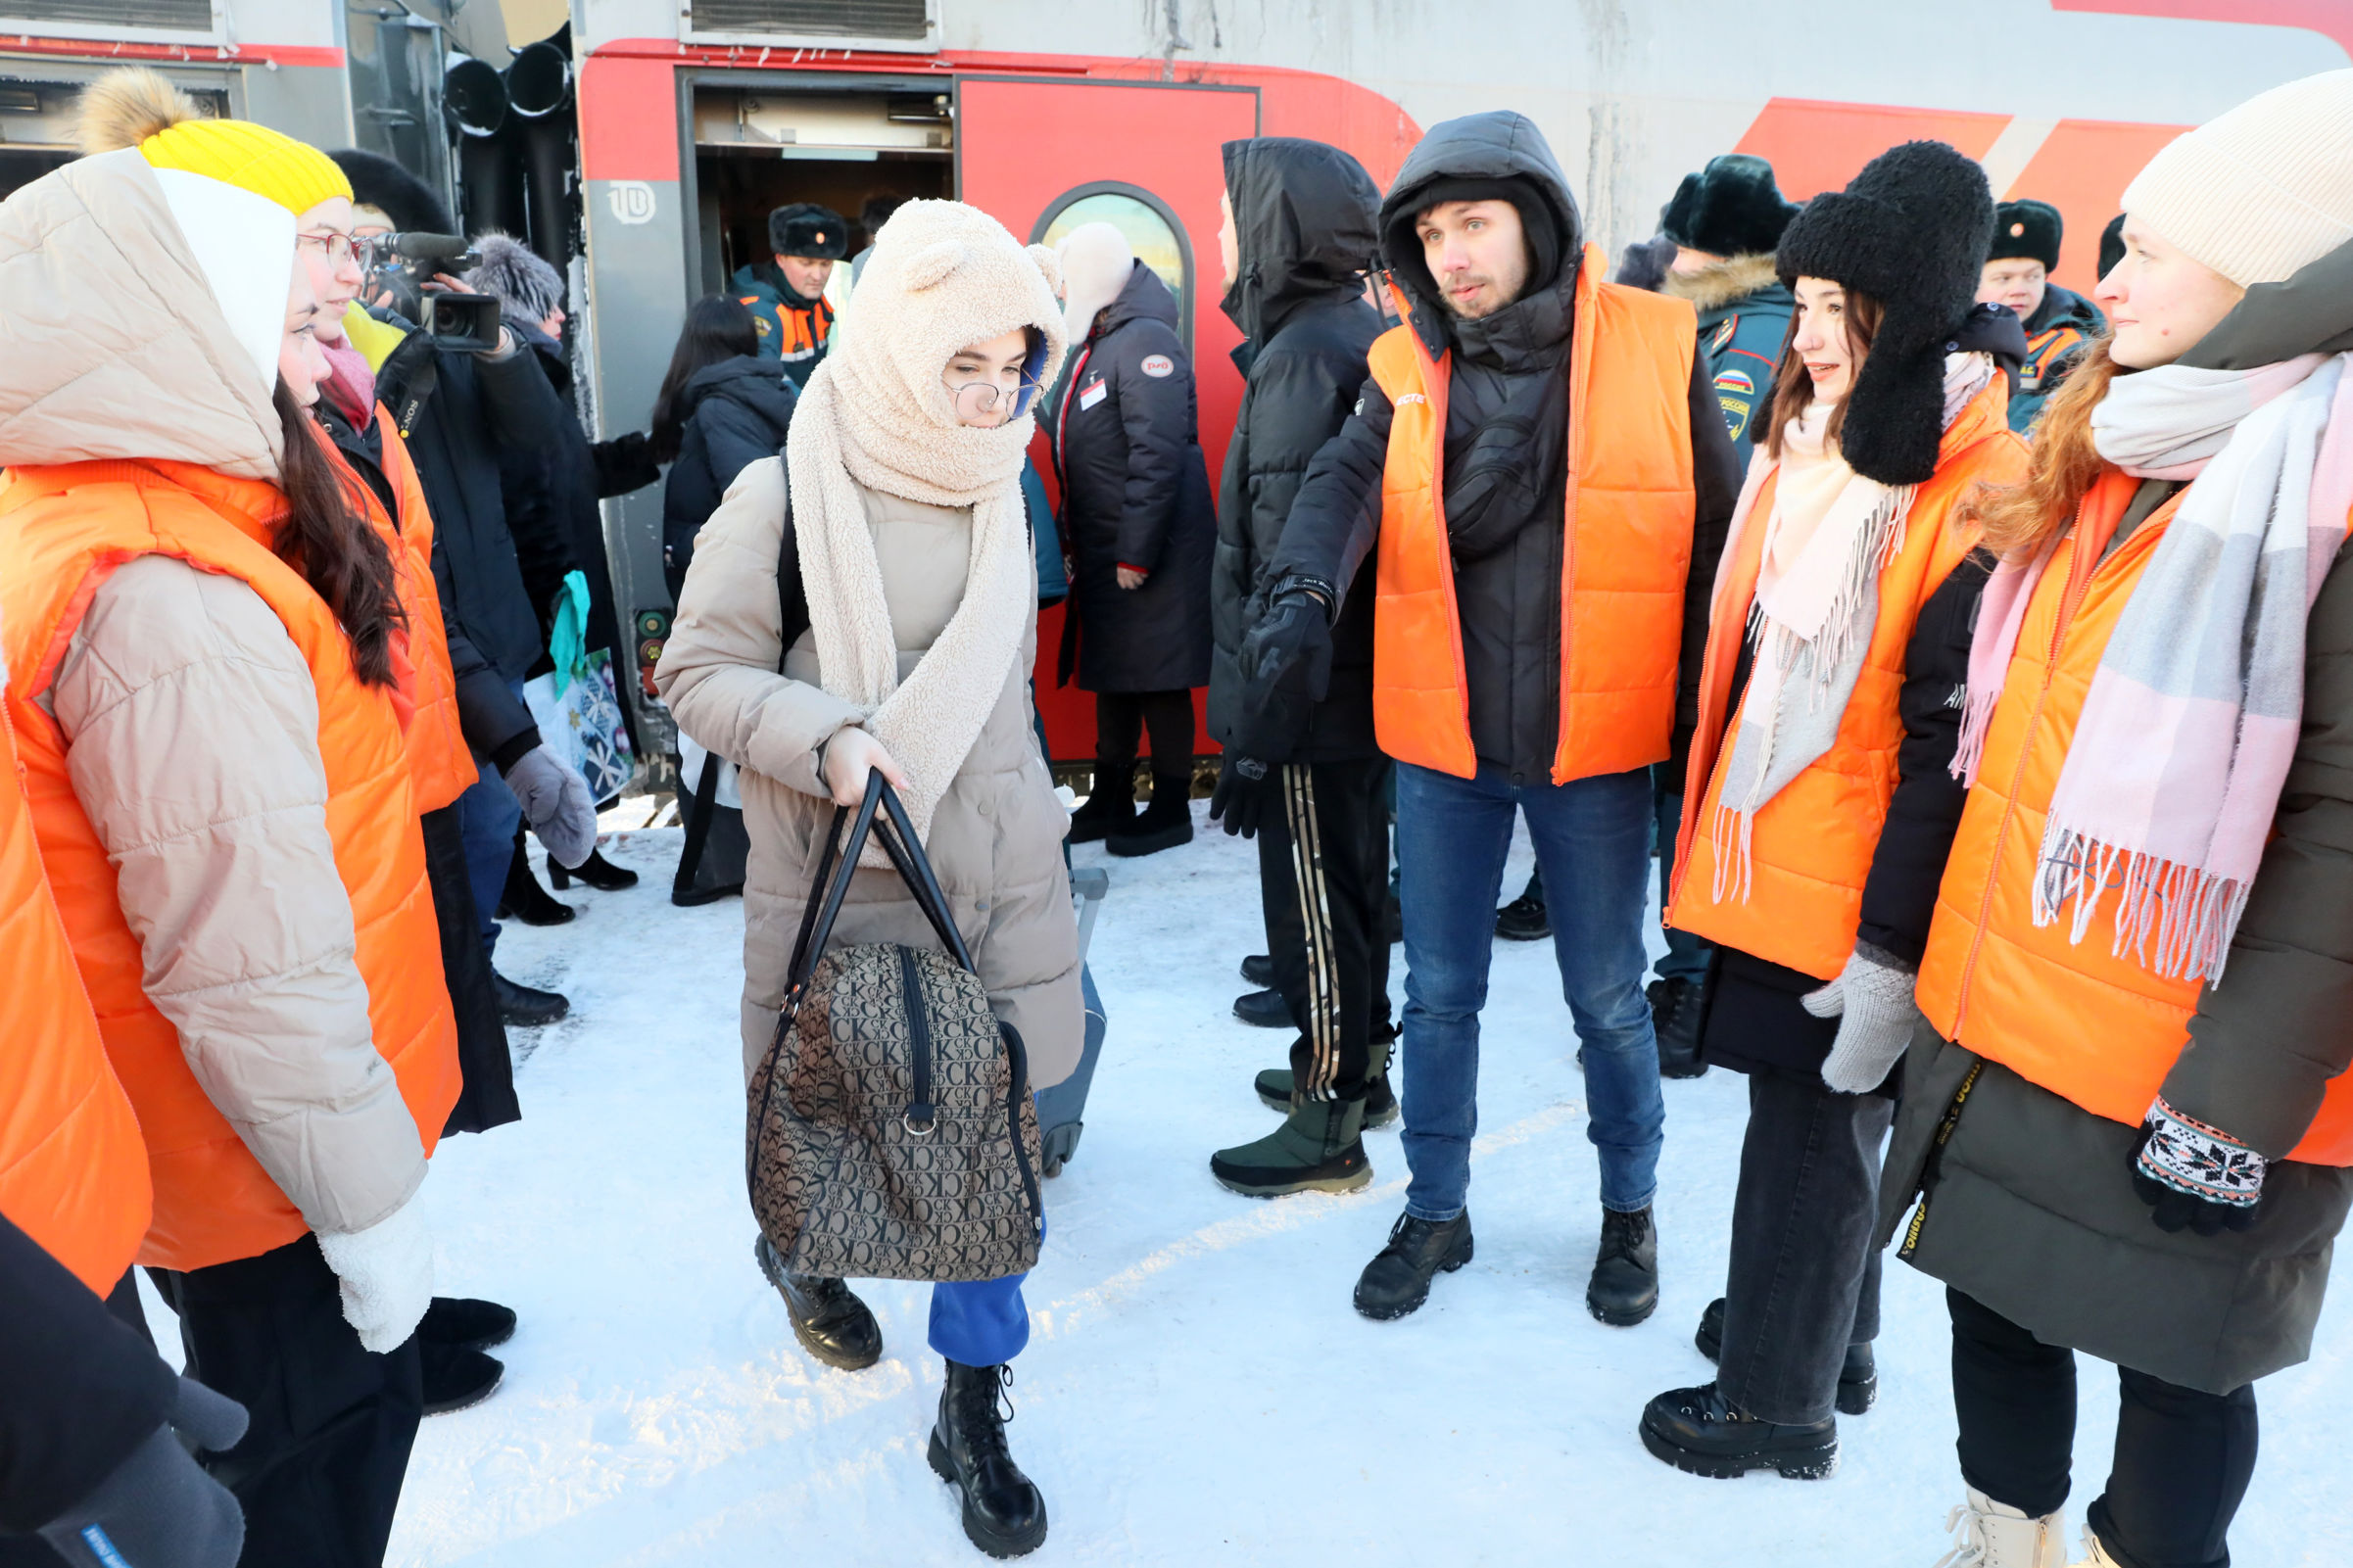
[[1259, 970], [465, 1323], [1004, 1515], [1263, 1010], [1699, 1431], [456, 1378], [1165, 823], [1398, 1279], [1100, 817], [1316, 1148], [832, 1324], [1624, 1287], [1858, 1378]]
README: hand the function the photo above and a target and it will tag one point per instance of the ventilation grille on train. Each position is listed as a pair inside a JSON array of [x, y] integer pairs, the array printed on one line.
[[841, 19], [180, 16]]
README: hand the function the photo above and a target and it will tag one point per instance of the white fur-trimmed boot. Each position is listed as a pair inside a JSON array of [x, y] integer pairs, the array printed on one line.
[[1994, 1535]]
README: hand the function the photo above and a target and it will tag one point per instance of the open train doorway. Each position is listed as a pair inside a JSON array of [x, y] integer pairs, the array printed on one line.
[[765, 145]]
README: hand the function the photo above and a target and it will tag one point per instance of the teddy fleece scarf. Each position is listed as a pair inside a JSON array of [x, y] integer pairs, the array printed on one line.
[[856, 424], [1830, 534], [2174, 775]]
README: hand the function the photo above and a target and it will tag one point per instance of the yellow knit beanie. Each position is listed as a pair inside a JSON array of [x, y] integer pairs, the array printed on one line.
[[135, 106], [2262, 190]]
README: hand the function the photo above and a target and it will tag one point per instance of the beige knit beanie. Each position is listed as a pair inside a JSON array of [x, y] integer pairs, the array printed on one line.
[[2262, 190]]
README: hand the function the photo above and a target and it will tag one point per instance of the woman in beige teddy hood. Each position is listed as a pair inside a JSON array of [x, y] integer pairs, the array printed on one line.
[[901, 491]]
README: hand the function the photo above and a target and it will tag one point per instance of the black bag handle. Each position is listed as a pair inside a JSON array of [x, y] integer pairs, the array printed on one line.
[[830, 885]]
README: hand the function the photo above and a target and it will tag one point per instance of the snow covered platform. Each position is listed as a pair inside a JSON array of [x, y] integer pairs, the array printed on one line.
[[1197, 1389]]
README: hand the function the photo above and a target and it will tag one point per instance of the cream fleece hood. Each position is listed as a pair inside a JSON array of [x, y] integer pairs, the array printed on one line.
[[114, 341]]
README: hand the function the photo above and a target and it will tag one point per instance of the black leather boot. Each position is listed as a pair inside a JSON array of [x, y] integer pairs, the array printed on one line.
[[1858, 1376], [1624, 1289], [525, 899], [1263, 1010], [1259, 971], [1003, 1513], [526, 1007], [828, 1318], [1700, 1431], [1675, 1020], [1525, 918], [596, 871], [1398, 1279]]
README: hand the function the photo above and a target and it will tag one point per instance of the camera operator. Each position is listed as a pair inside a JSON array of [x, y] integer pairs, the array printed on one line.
[[455, 407]]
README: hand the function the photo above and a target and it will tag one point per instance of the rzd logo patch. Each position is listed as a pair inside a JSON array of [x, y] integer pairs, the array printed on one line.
[[1157, 364]]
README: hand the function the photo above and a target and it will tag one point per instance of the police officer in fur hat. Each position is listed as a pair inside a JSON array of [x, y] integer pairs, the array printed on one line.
[[2058, 322], [785, 295]]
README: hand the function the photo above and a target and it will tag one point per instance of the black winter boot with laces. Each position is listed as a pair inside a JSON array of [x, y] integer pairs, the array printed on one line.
[[1624, 1289], [1398, 1279], [1700, 1431], [828, 1318], [1003, 1513]]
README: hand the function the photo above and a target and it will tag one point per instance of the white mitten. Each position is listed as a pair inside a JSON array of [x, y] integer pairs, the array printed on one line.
[[1872, 1000], [387, 1275]]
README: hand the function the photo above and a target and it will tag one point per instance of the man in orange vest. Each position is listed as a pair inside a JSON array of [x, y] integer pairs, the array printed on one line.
[[1540, 469]]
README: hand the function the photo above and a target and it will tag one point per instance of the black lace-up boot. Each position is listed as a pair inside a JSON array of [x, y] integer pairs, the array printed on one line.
[[828, 1318], [1624, 1289], [1398, 1279], [1003, 1512]]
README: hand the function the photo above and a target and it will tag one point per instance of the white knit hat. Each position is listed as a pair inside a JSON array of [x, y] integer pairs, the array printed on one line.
[[2262, 190], [1096, 261]]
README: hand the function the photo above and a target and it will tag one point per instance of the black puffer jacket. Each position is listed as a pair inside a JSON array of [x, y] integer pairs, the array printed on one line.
[[554, 489], [1304, 214], [1505, 457], [495, 580], [731, 414], [1127, 446]]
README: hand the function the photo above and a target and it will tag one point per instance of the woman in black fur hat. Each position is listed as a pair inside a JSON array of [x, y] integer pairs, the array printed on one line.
[[1819, 805]]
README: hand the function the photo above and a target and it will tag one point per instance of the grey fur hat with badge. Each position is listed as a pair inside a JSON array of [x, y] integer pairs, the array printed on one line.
[[1911, 231]]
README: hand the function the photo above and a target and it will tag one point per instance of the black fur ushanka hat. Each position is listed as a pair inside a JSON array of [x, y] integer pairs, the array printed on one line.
[[1731, 208], [805, 229], [2028, 229], [1911, 231]]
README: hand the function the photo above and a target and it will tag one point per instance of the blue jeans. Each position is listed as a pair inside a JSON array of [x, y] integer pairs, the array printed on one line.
[[488, 814], [1686, 956], [1592, 842]]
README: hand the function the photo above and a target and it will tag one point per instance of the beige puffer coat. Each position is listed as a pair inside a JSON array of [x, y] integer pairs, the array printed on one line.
[[996, 835]]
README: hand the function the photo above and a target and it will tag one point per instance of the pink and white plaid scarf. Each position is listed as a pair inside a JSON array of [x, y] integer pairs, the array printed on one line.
[[2174, 775]]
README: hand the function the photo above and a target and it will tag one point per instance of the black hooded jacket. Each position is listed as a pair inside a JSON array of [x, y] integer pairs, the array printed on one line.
[[1506, 457], [731, 414], [1305, 216], [1127, 443]]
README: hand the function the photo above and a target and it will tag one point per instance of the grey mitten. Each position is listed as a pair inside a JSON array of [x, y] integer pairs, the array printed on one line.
[[156, 1508], [1872, 1000], [556, 803]]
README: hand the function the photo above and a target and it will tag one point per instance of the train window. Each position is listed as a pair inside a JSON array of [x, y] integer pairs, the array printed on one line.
[[1152, 231]]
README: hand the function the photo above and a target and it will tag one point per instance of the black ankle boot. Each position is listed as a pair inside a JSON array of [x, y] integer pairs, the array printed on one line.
[[596, 871], [828, 1318], [1003, 1513], [1525, 918], [525, 899], [1624, 1289], [1858, 1374], [1163, 825], [1110, 808], [1700, 1431], [1675, 1008], [1398, 1279]]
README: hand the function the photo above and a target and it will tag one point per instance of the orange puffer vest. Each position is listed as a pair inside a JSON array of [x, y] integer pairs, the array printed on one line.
[[2098, 1029], [438, 760], [64, 528], [1622, 573], [1810, 845], [73, 1171]]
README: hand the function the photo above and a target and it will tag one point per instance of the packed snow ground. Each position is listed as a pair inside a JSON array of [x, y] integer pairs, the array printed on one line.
[[1197, 1388]]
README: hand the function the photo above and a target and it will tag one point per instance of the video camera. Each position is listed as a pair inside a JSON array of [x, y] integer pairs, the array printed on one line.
[[405, 263]]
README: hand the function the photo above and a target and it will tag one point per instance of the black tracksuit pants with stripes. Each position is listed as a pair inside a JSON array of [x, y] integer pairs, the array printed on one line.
[[1323, 874]]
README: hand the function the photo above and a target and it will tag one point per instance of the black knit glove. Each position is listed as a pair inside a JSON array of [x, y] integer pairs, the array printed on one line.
[[2196, 1177], [158, 1510]]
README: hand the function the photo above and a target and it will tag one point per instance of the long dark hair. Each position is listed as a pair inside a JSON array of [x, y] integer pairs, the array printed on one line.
[[326, 537], [718, 328], [1794, 384]]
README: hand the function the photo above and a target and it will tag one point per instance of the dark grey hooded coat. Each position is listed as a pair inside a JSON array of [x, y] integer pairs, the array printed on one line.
[[1304, 216], [1126, 431], [2029, 1205]]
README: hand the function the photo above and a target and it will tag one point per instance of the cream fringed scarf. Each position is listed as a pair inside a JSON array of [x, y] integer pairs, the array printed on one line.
[[944, 276]]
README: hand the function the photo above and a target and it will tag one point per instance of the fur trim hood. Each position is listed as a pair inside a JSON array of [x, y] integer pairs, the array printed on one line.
[[1719, 283]]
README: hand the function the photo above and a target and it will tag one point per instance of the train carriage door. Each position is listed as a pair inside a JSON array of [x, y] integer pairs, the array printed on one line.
[[1027, 148]]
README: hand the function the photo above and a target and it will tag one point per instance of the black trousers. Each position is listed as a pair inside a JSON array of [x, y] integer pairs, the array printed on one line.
[[1124, 718], [486, 1068], [1804, 1283], [2183, 1458], [319, 1469], [1323, 877]]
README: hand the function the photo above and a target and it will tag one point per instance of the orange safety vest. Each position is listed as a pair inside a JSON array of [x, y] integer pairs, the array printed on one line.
[[62, 530], [799, 330], [1810, 846], [2098, 1029], [439, 762], [73, 1171], [1628, 517]]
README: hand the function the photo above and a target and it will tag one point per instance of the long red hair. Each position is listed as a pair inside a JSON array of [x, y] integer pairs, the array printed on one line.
[[2018, 519]]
